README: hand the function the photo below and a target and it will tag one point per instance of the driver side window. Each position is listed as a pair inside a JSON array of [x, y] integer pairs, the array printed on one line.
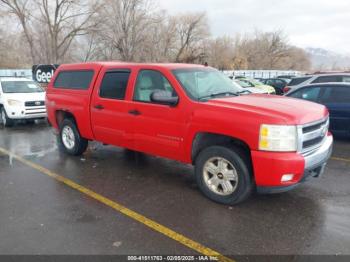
[[149, 81]]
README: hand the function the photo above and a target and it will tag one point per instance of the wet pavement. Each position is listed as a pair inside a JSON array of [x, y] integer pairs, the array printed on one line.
[[39, 215]]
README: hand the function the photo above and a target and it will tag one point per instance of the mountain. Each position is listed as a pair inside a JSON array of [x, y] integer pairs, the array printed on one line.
[[322, 59]]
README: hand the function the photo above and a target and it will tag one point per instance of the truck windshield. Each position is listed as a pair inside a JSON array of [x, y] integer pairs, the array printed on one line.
[[206, 83], [21, 87]]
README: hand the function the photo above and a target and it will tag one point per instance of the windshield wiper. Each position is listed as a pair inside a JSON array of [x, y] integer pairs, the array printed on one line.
[[225, 94]]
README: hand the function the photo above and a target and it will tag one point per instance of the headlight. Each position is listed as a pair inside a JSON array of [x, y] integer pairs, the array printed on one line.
[[278, 138], [13, 102]]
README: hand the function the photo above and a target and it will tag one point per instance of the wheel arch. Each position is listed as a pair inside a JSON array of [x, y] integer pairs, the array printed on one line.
[[60, 115], [204, 140]]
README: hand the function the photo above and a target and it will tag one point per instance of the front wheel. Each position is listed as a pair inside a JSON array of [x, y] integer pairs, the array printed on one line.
[[70, 140], [223, 175], [5, 120]]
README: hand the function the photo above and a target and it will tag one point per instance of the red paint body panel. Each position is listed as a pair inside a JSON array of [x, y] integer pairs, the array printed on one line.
[[270, 167], [169, 131]]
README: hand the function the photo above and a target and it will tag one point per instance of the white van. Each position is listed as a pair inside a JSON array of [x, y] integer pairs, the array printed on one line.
[[21, 99]]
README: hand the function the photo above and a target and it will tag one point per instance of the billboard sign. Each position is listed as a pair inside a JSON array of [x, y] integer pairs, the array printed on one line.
[[43, 73]]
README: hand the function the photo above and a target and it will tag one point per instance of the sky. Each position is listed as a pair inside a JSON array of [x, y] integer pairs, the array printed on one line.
[[307, 23]]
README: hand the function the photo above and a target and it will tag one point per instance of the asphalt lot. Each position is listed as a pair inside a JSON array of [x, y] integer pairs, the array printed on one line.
[[40, 215]]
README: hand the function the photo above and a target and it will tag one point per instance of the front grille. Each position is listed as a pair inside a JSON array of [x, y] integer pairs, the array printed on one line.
[[313, 134], [35, 103], [313, 142], [314, 127], [35, 110]]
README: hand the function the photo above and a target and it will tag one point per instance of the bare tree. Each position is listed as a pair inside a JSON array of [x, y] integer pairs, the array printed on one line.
[[268, 50], [297, 59], [12, 55], [221, 53], [20, 9], [64, 21], [191, 31], [126, 26], [51, 30], [59, 31]]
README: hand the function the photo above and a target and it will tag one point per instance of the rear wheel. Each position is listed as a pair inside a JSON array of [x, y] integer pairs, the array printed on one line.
[[5, 120], [223, 175], [70, 140]]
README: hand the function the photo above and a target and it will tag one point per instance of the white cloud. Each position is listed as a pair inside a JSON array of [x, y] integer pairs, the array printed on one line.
[[315, 23]]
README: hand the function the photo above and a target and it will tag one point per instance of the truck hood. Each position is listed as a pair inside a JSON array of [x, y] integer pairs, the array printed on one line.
[[278, 109], [24, 97]]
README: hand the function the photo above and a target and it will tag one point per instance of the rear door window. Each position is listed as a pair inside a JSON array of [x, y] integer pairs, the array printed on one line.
[[114, 84], [346, 79], [336, 94], [74, 79], [298, 81]]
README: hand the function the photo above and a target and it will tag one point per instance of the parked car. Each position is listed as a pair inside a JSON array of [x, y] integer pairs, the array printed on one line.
[[192, 114], [247, 89], [252, 83], [286, 76], [315, 79], [21, 99], [336, 97], [288, 80], [239, 77], [277, 83]]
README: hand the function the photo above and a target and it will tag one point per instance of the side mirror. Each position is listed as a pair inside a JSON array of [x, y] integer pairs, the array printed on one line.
[[164, 98]]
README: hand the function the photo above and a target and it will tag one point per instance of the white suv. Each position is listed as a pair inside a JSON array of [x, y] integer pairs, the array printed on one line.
[[298, 82], [21, 98]]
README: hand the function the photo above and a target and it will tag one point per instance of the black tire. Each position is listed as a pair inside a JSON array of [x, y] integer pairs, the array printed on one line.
[[239, 161], [5, 120], [80, 143]]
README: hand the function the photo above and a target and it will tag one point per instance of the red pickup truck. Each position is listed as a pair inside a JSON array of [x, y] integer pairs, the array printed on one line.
[[193, 114]]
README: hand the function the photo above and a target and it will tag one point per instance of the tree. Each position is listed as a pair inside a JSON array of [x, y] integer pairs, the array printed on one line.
[[126, 27], [12, 55], [20, 9], [61, 31], [221, 53], [269, 50], [191, 32], [50, 27]]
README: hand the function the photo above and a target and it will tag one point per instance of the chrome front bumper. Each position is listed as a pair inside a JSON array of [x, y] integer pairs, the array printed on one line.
[[315, 163], [320, 156]]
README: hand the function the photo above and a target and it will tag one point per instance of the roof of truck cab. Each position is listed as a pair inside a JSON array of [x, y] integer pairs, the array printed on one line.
[[170, 66]]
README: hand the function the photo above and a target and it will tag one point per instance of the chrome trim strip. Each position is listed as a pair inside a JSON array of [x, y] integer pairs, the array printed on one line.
[[316, 122]]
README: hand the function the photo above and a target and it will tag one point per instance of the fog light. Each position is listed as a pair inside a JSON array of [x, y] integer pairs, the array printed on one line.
[[287, 178]]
